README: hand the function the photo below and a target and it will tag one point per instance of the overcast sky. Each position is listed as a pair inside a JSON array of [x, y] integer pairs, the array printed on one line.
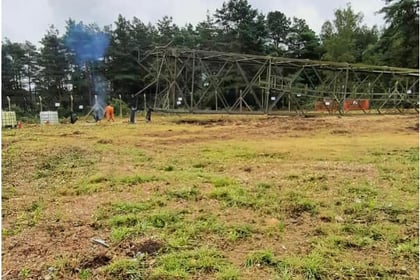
[[29, 19]]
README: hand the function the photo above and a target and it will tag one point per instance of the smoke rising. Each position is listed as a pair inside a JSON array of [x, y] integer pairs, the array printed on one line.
[[89, 45], [87, 42], [101, 90]]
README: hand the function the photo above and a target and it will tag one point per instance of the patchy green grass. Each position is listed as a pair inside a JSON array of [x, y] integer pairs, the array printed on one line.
[[244, 198], [260, 258], [182, 264]]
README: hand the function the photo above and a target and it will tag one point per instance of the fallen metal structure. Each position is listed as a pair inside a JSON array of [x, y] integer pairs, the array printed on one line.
[[197, 81]]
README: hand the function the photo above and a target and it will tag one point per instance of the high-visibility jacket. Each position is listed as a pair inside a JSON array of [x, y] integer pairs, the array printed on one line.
[[109, 113]]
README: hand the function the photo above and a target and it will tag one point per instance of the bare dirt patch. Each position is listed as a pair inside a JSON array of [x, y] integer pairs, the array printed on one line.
[[134, 248]]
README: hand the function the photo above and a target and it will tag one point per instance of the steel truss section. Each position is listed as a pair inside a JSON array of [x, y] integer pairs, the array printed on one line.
[[199, 81]]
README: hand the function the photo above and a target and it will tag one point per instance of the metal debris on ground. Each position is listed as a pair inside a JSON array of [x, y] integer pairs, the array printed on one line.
[[100, 242]]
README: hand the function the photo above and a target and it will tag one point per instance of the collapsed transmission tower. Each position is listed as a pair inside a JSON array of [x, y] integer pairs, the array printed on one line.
[[198, 81]]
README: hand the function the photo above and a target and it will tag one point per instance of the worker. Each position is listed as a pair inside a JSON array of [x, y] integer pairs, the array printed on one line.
[[109, 112], [149, 114], [133, 108], [73, 117]]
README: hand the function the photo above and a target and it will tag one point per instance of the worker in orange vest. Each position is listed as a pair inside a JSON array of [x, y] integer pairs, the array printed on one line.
[[109, 112]]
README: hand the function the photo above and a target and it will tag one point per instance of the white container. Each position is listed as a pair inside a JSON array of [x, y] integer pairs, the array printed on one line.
[[48, 117], [8, 119]]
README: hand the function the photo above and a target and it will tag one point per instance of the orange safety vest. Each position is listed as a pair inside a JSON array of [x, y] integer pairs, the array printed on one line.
[[109, 113]]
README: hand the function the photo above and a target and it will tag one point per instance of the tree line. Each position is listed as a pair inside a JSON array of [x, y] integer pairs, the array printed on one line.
[[87, 60]]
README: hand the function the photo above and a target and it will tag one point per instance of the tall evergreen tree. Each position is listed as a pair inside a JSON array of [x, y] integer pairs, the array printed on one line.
[[278, 28], [207, 34], [31, 70], [19, 69], [302, 41], [53, 74], [399, 43], [126, 47], [243, 28], [186, 37], [6, 69], [14, 63], [167, 30]]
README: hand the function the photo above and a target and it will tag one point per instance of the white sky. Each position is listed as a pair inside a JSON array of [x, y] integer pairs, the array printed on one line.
[[30, 19]]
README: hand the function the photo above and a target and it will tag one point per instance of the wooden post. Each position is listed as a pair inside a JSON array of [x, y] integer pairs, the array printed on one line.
[[119, 95], [8, 101], [192, 84], [346, 85], [174, 84], [240, 100], [71, 103], [267, 93], [215, 93]]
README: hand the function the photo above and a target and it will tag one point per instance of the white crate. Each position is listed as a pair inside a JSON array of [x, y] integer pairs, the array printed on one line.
[[48, 117], [8, 119]]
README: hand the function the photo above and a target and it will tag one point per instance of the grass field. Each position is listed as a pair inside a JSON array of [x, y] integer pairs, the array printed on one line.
[[213, 197]]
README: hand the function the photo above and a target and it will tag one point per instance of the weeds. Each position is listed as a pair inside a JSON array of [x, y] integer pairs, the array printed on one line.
[[313, 267], [234, 196], [137, 179], [133, 224], [228, 272], [191, 193], [126, 269], [407, 249], [240, 232], [297, 205], [263, 186], [24, 273], [182, 264], [260, 258], [84, 274], [222, 181], [125, 208]]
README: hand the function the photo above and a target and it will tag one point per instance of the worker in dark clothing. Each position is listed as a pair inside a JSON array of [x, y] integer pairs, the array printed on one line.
[[73, 117], [133, 108], [149, 114]]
